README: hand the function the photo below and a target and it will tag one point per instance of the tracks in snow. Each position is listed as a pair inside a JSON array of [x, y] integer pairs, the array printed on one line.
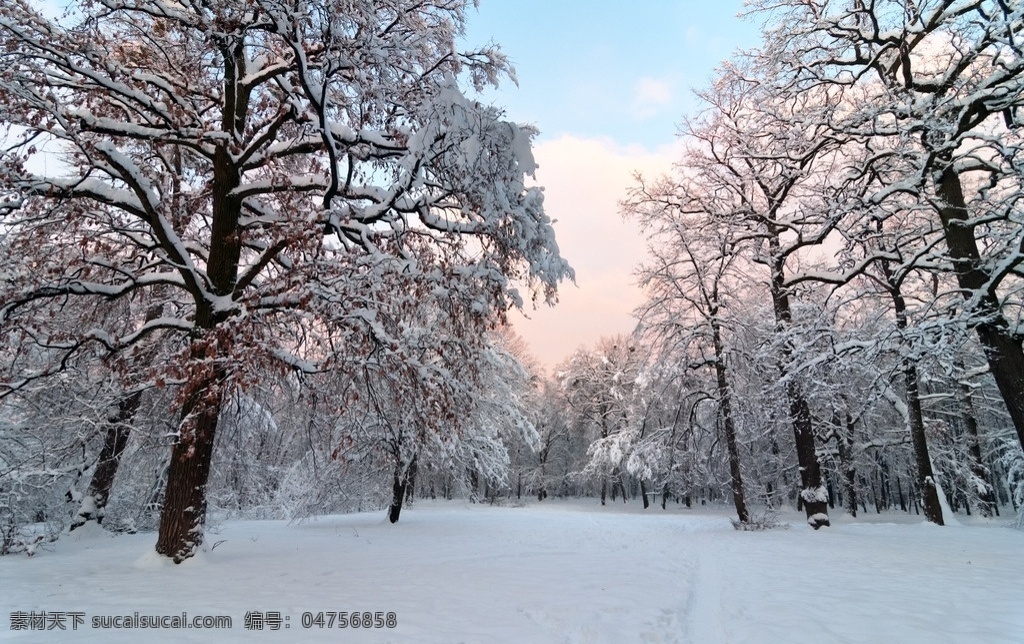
[[703, 616]]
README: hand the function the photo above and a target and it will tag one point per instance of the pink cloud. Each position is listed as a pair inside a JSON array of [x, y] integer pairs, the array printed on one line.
[[584, 180]]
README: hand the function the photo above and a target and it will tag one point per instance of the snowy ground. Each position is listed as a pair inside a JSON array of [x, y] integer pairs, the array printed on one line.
[[551, 572]]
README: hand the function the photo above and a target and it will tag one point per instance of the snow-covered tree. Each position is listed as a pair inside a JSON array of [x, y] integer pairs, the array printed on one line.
[[602, 388], [277, 171], [755, 169], [934, 91], [687, 276]]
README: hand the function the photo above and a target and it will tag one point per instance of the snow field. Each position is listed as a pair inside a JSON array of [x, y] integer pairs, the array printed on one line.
[[565, 572]]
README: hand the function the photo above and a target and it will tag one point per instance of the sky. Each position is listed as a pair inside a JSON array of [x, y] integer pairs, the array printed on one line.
[[607, 83]]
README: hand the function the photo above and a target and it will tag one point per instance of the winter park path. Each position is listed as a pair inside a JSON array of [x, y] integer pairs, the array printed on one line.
[[570, 572]]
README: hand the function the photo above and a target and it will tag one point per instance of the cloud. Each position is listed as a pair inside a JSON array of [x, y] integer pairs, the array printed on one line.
[[584, 180], [650, 96]]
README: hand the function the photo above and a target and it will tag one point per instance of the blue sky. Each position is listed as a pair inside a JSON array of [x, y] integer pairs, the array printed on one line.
[[607, 84], [621, 70]]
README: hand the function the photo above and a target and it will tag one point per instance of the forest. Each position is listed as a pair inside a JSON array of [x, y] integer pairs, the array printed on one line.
[[258, 258]]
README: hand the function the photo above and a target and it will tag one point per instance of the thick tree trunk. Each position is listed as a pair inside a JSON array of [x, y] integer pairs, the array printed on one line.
[[1002, 348], [183, 515], [812, 491], [643, 493], [94, 503], [184, 510]]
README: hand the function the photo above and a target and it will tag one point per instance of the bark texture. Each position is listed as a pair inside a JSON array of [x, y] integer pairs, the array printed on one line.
[[184, 512], [1002, 348]]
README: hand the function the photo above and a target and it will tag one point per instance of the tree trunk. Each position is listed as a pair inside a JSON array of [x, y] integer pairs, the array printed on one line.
[[617, 483], [812, 492], [779, 490], [94, 503], [1002, 347], [864, 485], [728, 426], [844, 442], [883, 483], [410, 490], [401, 481], [925, 477], [183, 515], [119, 430], [915, 417], [880, 495], [986, 496], [542, 492], [184, 511], [474, 485]]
